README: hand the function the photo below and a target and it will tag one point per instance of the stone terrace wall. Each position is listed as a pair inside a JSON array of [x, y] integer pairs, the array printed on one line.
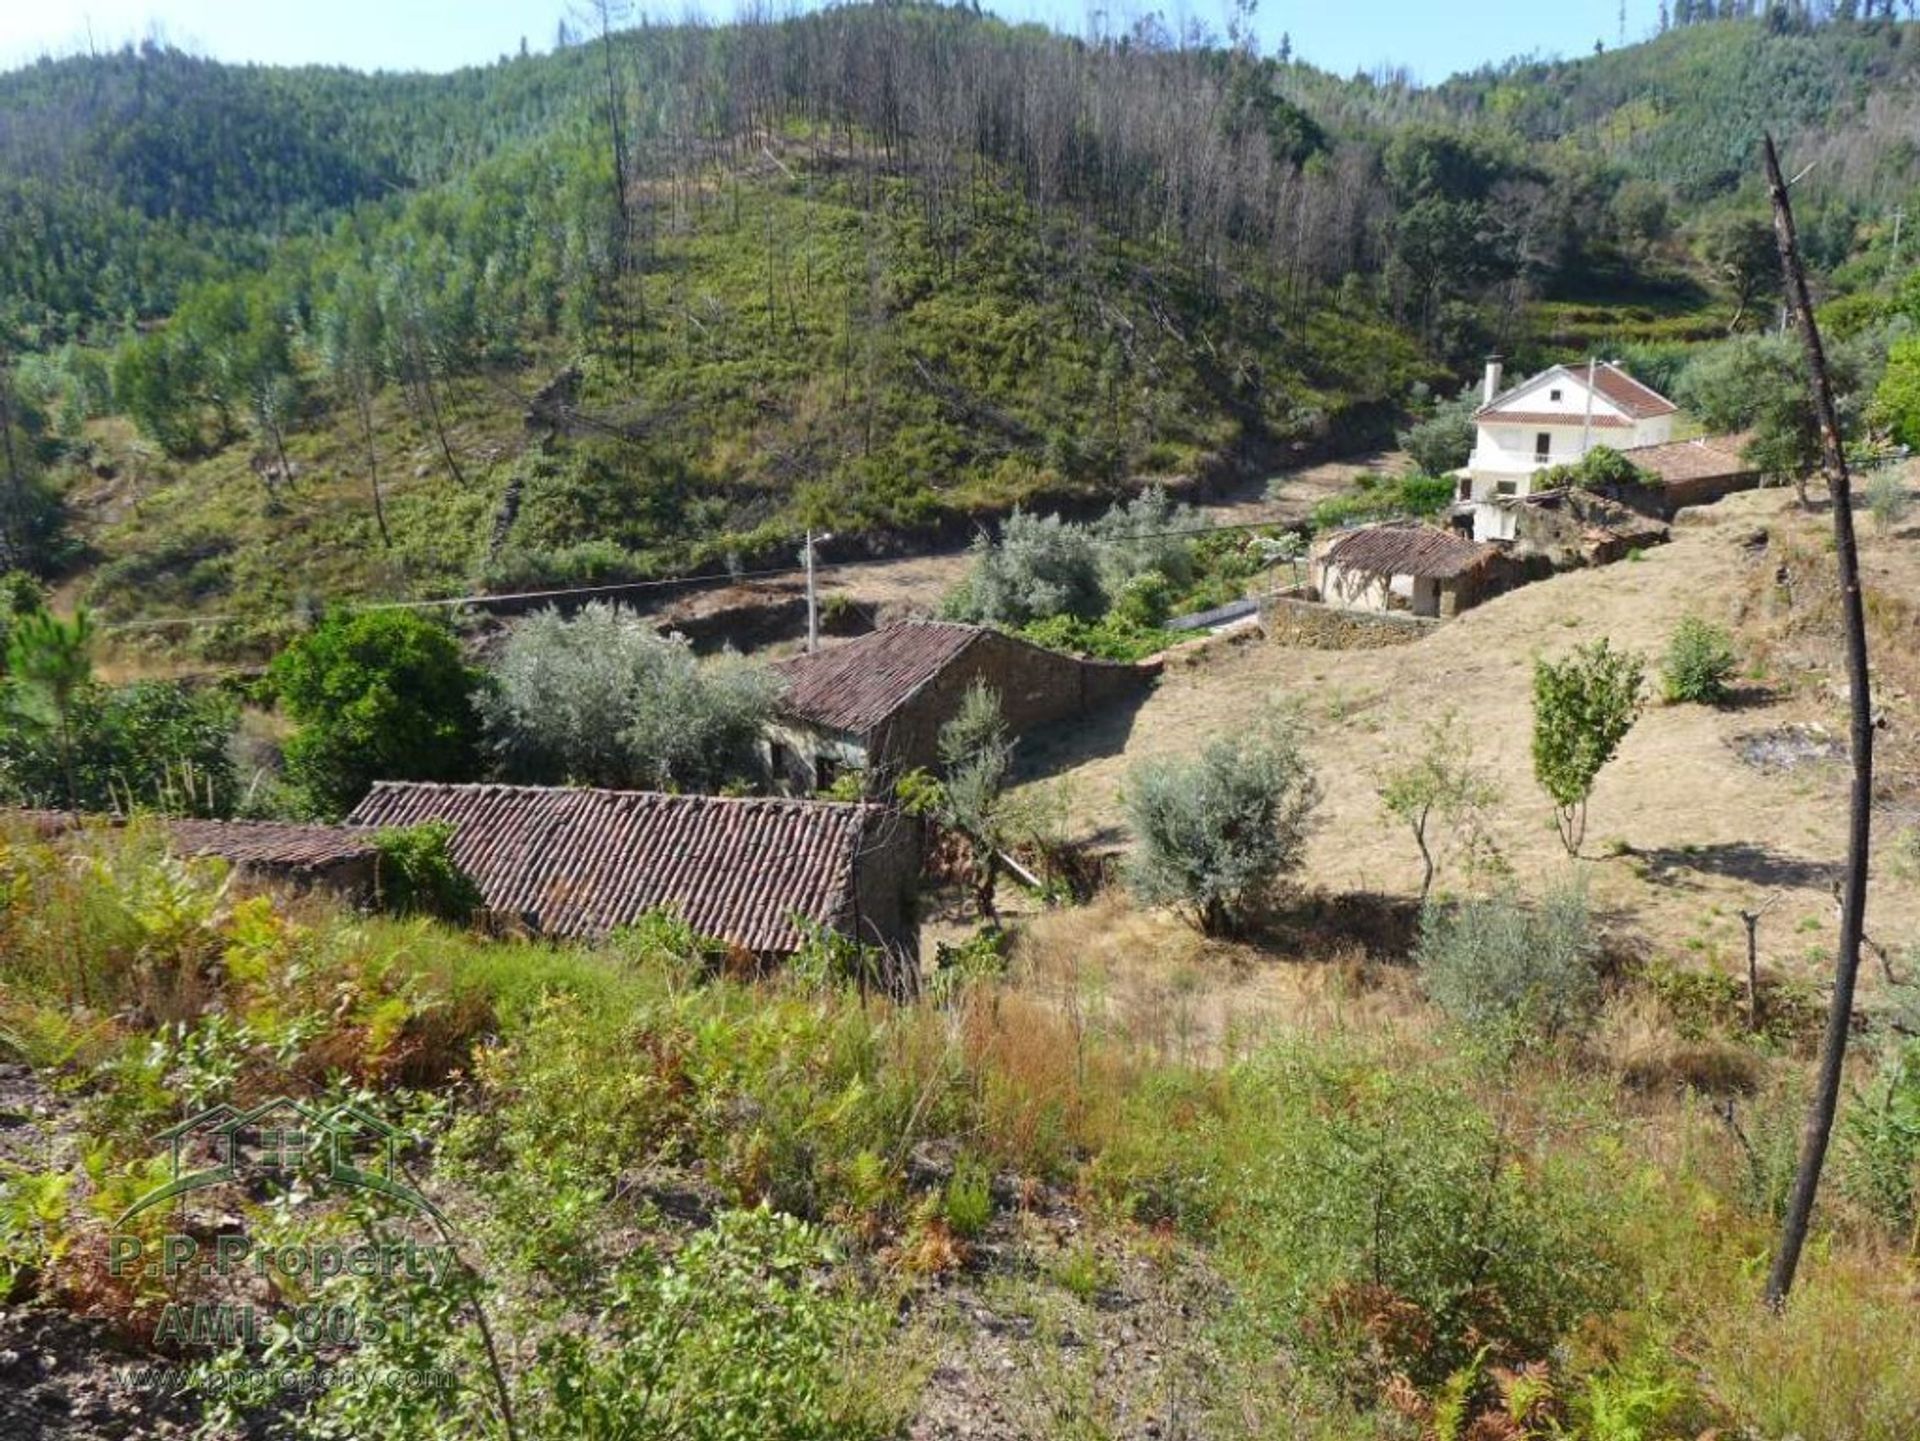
[[1313, 626]]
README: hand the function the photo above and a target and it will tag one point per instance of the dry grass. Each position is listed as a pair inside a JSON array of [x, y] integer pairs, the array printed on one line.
[[1696, 834]]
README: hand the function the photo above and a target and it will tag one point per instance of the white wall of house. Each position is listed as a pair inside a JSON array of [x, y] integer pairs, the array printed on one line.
[[1507, 455], [1364, 590]]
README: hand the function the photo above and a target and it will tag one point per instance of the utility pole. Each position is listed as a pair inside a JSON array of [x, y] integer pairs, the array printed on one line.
[[813, 594], [1853, 902], [813, 600]]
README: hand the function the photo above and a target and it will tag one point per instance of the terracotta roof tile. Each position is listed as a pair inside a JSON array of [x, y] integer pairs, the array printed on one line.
[[270, 843], [1701, 459], [1421, 550], [1551, 417], [1640, 401], [584, 862], [277, 845], [855, 686]]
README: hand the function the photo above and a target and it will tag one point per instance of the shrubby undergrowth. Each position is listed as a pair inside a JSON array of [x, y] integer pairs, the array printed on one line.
[[703, 1205]]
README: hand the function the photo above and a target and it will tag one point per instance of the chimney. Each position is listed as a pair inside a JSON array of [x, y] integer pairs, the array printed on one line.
[[1490, 387]]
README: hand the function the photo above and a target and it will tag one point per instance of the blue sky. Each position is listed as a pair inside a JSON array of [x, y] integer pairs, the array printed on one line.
[[1430, 38]]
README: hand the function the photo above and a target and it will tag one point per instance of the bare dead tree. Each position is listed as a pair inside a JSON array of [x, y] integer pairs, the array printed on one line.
[[1853, 905]]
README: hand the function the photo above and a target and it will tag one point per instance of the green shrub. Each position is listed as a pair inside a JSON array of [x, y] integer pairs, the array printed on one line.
[[1443, 440], [1214, 833], [1143, 602], [1371, 1216], [1109, 639], [418, 875], [1882, 1142], [1502, 966], [1600, 468], [967, 1204], [602, 698], [378, 695], [1888, 499], [1700, 660], [1379, 498]]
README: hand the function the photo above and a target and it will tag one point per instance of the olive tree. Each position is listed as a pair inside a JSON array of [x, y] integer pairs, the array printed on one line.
[[1583, 708], [1215, 832], [601, 698], [1441, 795]]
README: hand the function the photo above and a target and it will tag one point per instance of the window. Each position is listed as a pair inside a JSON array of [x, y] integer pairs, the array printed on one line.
[[1507, 487], [825, 772], [1553, 395], [1542, 447], [779, 760]]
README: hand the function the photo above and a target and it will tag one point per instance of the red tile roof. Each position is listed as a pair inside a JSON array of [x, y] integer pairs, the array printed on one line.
[[270, 843], [1422, 550], [276, 845], [856, 686], [1701, 459], [1640, 402], [584, 862], [1551, 417]]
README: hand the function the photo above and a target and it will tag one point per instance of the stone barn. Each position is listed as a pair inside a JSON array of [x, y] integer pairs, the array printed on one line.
[[876, 704], [262, 852], [754, 872], [1420, 570]]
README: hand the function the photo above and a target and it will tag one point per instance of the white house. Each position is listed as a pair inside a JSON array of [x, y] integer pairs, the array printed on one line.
[[1552, 419]]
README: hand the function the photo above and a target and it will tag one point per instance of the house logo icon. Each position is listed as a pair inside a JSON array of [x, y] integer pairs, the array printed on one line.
[[278, 1137]]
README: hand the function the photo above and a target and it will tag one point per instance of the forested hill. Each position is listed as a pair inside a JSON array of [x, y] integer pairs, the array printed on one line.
[[665, 296]]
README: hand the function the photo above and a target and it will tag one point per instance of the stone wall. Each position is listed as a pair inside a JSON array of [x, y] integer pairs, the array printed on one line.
[[1312, 626], [1036, 687], [886, 884]]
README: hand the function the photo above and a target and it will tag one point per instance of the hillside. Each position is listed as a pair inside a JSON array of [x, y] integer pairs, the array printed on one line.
[[280, 337]]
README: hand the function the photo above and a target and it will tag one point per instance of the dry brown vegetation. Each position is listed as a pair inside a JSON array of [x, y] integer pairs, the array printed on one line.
[[1686, 833]]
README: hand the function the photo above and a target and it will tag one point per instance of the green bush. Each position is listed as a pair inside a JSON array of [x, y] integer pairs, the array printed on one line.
[[1700, 660], [418, 875], [967, 1204], [1881, 1139], [1443, 440], [1369, 1214], [378, 695], [1889, 501], [1214, 833], [1381, 498], [1109, 639], [1600, 468], [602, 698], [1504, 967]]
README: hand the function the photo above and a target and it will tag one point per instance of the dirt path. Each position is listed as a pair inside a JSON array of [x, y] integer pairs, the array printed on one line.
[[1699, 833]]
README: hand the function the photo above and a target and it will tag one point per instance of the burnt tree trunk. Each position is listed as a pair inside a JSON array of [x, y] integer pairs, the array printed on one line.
[[1853, 902]]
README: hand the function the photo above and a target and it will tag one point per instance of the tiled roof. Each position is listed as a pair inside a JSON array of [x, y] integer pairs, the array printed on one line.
[[1552, 417], [1701, 459], [270, 843], [273, 844], [1640, 402], [583, 862], [1422, 550], [855, 686]]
